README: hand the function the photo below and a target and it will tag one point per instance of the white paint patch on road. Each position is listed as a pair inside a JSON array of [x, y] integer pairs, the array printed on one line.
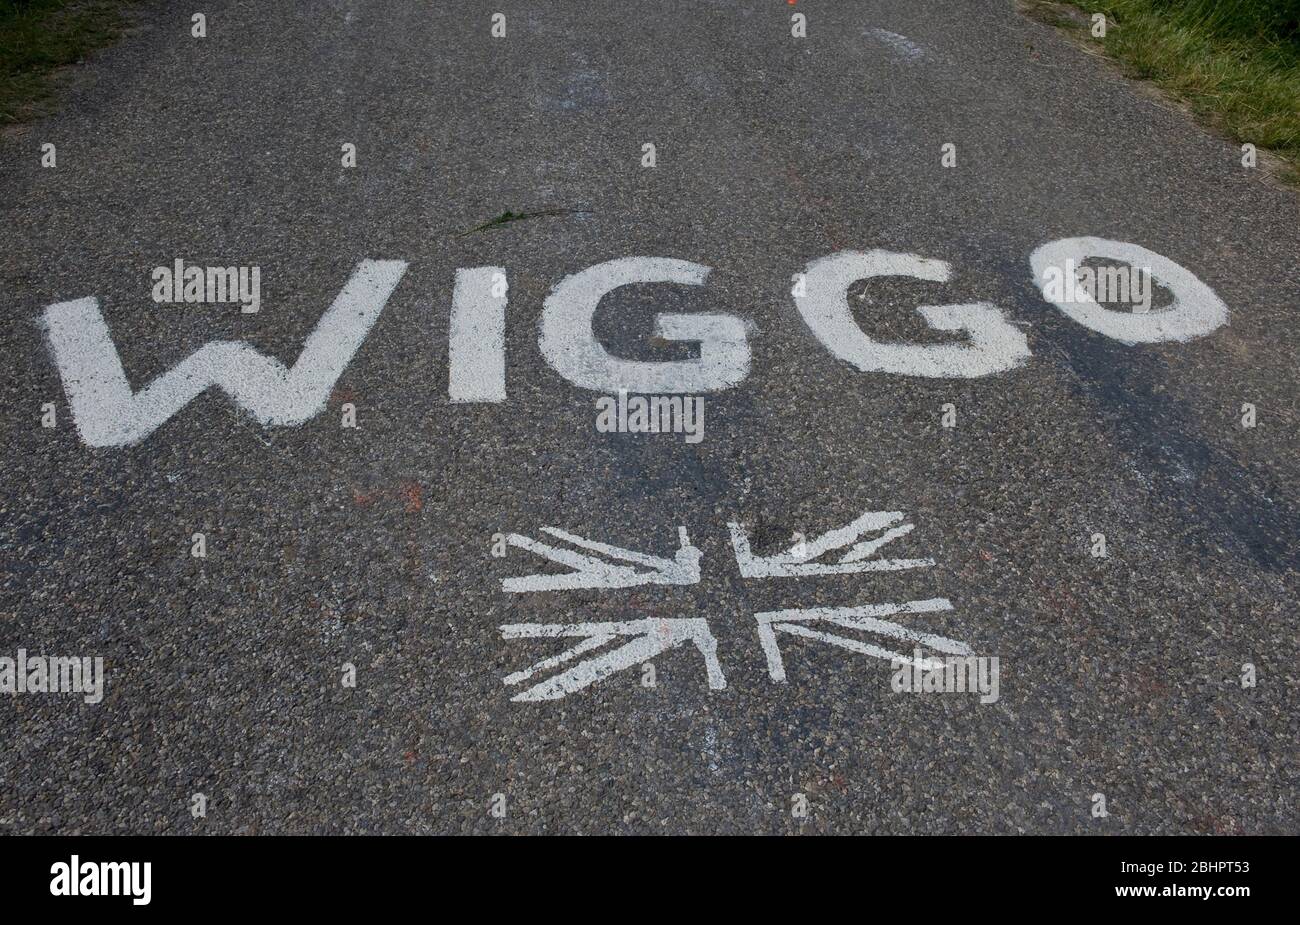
[[590, 572], [347, 8], [1196, 310], [900, 44], [476, 349], [995, 345], [711, 749], [578, 87], [650, 638], [866, 619], [798, 561], [108, 413], [570, 346]]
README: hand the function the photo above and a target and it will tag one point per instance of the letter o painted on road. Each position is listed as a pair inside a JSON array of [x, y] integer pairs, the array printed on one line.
[[1195, 312]]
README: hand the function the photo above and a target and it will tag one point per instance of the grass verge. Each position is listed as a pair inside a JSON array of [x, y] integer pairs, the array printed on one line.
[[1235, 63], [37, 37]]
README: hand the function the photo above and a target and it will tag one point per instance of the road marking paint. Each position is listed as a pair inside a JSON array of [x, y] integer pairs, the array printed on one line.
[[476, 351], [570, 347], [1195, 312], [792, 565], [865, 618], [108, 413], [650, 638], [590, 572], [995, 344], [906, 48]]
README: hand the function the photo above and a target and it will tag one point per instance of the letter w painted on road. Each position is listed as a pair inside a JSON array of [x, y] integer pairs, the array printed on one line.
[[108, 413]]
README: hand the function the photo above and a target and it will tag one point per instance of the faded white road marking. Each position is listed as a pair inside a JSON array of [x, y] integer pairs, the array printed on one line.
[[108, 413], [476, 351], [995, 345], [570, 347], [1195, 312], [792, 565], [649, 638], [864, 618], [590, 572], [906, 48]]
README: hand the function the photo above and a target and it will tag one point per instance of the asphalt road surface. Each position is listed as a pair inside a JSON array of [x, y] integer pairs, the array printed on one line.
[[1148, 690]]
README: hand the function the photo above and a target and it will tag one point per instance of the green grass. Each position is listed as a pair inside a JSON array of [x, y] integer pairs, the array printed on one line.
[[1236, 63], [39, 36]]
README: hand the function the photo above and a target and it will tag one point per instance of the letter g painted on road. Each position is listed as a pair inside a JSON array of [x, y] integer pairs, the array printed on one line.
[[570, 346], [994, 344]]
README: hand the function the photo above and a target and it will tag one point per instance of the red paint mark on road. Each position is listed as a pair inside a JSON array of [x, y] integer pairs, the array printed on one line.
[[412, 497], [409, 494]]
